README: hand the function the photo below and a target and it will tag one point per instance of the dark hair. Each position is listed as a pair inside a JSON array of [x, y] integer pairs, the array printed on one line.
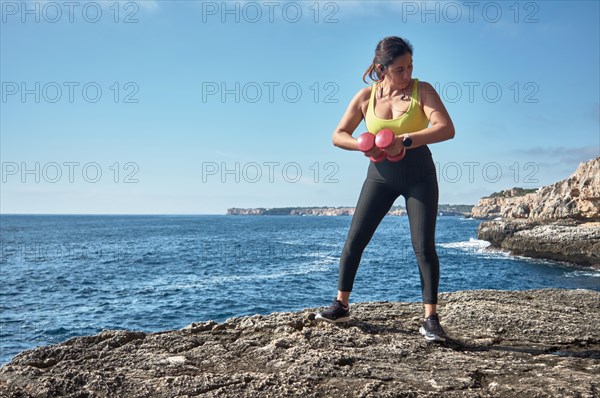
[[388, 49]]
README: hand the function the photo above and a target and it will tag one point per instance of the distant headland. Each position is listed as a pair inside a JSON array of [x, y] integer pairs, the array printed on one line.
[[443, 210]]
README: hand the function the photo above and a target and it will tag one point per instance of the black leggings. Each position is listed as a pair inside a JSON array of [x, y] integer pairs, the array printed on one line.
[[414, 177]]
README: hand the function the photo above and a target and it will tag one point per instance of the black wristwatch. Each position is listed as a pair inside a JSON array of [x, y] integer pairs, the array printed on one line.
[[406, 140]]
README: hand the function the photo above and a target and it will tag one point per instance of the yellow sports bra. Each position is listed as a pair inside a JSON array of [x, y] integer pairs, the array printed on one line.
[[412, 120]]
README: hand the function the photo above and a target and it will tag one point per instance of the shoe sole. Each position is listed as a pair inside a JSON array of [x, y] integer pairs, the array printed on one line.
[[319, 317], [429, 338]]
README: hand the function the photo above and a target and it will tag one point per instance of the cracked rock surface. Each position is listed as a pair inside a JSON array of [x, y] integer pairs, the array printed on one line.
[[535, 343]]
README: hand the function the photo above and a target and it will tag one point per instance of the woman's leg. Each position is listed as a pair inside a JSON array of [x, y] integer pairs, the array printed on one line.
[[421, 205], [375, 200]]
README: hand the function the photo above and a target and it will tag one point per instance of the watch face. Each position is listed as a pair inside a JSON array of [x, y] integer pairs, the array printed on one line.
[[407, 141]]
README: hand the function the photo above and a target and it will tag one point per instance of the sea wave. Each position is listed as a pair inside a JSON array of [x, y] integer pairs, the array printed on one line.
[[319, 266], [469, 245], [582, 273]]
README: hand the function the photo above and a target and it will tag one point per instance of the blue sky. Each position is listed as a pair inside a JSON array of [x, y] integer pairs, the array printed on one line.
[[190, 107]]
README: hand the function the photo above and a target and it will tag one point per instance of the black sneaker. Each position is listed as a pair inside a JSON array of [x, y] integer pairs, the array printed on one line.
[[432, 330], [335, 313]]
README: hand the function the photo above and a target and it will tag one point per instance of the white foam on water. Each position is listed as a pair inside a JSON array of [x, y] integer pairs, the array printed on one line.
[[583, 273], [470, 245], [481, 248]]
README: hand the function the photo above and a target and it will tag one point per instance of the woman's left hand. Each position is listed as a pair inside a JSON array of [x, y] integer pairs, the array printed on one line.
[[396, 147]]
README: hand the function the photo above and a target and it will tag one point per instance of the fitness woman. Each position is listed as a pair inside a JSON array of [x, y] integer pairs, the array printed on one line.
[[407, 106]]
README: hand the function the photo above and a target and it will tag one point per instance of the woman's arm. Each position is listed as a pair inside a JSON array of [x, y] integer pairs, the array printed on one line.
[[441, 127], [342, 136]]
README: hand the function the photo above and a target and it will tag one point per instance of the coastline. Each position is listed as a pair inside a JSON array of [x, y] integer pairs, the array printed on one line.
[[534, 344], [558, 222], [443, 210], [568, 242]]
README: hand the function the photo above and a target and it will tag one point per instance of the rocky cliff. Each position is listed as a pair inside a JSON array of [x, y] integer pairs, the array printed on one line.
[[540, 343], [576, 197], [559, 221]]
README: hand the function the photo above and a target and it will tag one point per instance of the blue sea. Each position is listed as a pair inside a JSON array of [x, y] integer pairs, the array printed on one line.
[[70, 275]]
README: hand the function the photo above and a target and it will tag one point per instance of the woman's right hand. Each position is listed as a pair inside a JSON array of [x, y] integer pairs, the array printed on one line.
[[373, 152]]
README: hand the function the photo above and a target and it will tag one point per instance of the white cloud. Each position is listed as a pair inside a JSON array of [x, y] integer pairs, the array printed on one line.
[[562, 155]]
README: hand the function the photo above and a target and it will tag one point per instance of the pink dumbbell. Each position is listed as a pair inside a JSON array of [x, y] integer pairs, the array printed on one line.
[[384, 139], [366, 142]]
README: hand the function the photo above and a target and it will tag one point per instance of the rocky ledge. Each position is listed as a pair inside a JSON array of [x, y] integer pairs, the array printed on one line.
[[557, 222], [538, 343], [561, 240]]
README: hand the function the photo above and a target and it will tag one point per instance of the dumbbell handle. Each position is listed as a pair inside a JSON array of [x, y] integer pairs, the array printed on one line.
[[384, 139], [366, 142]]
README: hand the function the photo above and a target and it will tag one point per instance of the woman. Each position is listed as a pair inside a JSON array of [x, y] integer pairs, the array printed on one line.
[[398, 102]]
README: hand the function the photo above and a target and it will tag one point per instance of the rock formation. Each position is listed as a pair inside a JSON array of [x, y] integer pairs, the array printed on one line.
[[576, 197], [539, 343], [559, 221]]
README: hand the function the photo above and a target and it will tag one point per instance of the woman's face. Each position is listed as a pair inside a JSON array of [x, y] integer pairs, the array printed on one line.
[[399, 73]]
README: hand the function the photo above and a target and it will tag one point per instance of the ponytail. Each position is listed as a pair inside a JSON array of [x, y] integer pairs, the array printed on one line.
[[387, 50]]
